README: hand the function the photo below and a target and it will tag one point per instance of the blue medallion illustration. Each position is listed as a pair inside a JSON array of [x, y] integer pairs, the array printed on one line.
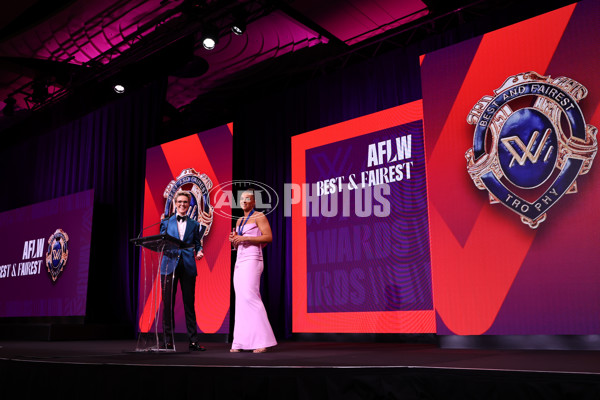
[[199, 186], [57, 254], [531, 143]]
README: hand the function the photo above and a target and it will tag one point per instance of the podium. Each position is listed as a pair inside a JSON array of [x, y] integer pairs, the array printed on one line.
[[151, 336]]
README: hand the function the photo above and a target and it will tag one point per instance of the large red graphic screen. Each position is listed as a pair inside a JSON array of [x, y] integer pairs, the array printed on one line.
[[175, 163], [518, 254]]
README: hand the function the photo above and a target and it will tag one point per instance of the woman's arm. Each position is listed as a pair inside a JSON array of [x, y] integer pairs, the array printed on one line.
[[233, 236], [263, 224]]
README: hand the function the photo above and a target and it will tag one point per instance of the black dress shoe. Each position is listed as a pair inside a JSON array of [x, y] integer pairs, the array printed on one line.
[[169, 346], [196, 347]]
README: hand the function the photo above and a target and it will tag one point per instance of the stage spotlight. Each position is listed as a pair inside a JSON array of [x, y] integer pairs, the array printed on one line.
[[210, 38], [238, 27], [209, 43], [239, 21], [9, 108], [119, 89]]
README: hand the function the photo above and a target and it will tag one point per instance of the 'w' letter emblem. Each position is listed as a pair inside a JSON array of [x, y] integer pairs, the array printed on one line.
[[527, 150]]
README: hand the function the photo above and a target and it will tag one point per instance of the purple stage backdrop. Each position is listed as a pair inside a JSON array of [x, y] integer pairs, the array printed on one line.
[[367, 245], [59, 231], [496, 271]]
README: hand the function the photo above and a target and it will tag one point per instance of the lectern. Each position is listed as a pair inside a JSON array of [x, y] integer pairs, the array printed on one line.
[[151, 337]]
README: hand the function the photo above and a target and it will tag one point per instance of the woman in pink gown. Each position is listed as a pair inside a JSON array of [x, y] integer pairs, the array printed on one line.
[[252, 330]]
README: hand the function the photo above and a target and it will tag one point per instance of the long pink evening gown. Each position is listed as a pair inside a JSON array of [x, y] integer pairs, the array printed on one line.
[[252, 329]]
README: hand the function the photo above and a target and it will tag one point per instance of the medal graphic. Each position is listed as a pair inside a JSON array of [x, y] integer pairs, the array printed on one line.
[[57, 254], [531, 143], [198, 185]]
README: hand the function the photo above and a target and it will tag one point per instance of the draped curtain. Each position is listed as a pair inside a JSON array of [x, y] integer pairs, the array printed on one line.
[[104, 150]]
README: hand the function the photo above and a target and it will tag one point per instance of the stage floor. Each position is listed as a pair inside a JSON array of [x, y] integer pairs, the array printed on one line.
[[295, 371], [309, 355]]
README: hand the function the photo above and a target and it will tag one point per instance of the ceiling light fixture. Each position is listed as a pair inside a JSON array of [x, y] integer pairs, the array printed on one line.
[[239, 22], [210, 38], [119, 89], [238, 27]]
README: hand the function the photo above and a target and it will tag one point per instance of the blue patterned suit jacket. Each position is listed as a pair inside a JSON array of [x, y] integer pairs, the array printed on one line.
[[171, 258]]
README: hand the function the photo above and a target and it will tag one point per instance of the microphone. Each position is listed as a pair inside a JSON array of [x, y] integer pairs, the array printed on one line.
[[150, 226], [233, 232]]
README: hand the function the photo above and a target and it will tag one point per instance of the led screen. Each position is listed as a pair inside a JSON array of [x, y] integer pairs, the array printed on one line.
[[196, 163], [359, 213], [45, 257], [510, 138]]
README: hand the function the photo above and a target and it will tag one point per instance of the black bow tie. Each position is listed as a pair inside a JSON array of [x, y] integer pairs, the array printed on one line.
[[180, 218]]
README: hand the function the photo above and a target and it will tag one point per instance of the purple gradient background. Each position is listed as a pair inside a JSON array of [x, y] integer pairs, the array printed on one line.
[[37, 295], [381, 264], [557, 288]]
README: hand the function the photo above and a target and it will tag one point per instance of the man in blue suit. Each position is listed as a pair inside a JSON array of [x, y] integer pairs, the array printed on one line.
[[180, 266]]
